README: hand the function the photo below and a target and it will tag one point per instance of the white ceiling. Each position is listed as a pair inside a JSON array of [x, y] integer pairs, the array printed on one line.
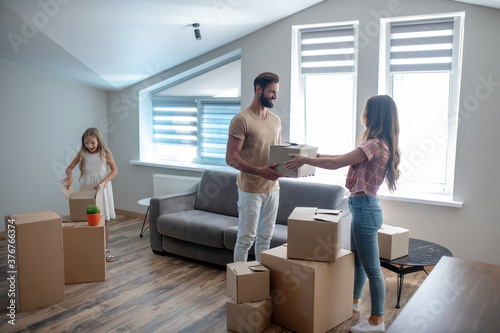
[[112, 44]]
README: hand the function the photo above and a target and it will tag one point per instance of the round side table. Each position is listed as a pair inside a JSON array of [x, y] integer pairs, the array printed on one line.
[[144, 202]]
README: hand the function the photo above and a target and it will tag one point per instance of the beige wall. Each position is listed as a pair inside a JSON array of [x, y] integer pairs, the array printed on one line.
[[470, 232]]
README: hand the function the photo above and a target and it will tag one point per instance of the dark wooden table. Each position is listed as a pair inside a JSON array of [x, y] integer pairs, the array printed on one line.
[[421, 253], [457, 296]]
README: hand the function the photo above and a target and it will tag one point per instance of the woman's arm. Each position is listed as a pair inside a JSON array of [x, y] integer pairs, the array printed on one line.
[[332, 163]]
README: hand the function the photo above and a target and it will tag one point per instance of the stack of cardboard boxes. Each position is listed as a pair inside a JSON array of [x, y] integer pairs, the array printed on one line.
[[249, 309], [47, 252], [312, 278]]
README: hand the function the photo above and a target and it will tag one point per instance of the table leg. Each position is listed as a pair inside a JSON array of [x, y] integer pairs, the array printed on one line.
[[399, 287], [143, 223]]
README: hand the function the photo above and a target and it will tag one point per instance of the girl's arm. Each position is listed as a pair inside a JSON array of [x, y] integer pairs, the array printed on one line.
[[69, 172], [335, 162], [112, 166]]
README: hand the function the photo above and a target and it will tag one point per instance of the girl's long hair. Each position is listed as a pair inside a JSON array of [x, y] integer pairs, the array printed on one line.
[[380, 117], [101, 148]]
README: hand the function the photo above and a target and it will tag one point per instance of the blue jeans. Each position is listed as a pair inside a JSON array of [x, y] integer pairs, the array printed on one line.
[[366, 220], [257, 216]]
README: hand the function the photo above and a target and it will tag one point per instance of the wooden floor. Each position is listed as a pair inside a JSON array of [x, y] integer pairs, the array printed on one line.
[[145, 292]]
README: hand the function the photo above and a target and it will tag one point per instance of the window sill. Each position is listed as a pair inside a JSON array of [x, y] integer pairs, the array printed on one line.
[[403, 196], [429, 199], [183, 166]]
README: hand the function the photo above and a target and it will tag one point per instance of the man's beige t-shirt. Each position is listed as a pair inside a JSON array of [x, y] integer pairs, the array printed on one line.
[[258, 135]]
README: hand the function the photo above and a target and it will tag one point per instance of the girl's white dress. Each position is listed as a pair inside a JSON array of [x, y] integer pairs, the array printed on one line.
[[95, 171]]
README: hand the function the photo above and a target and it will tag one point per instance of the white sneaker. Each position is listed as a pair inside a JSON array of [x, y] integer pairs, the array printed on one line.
[[355, 307], [365, 326]]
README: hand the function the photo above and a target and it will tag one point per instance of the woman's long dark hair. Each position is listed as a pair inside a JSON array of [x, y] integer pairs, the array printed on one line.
[[380, 117]]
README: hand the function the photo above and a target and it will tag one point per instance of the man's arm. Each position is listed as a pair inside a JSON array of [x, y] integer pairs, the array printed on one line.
[[234, 159]]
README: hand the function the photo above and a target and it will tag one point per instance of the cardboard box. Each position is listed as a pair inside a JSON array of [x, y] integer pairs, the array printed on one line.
[[35, 251], [78, 201], [310, 296], [247, 281], [393, 242], [84, 252], [251, 317], [314, 234], [281, 153]]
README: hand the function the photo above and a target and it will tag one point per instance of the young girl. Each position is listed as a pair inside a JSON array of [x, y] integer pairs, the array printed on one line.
[[96, 167], [377, 158]]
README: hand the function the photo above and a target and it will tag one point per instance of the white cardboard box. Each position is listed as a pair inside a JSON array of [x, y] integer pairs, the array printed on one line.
[[393, 242], [281, 153], [314, 234]]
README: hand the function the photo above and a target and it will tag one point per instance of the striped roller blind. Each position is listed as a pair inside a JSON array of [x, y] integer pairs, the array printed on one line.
[[215, 119], [421, 46], [175, 123], [327, 50]]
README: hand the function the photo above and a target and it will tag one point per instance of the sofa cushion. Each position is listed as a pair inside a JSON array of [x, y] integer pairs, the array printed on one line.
[[196, 226], [296, 193], [279, 237], [218, 193]]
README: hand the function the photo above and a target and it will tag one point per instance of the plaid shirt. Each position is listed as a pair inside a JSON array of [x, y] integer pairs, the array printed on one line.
[[368, 175]]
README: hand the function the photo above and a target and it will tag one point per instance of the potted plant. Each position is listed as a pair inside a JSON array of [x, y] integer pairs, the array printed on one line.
[[93, 215]]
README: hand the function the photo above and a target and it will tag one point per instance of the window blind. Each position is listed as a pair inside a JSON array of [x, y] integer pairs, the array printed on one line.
[[175, 123], [421, 46], [215, 120], [327, 50]]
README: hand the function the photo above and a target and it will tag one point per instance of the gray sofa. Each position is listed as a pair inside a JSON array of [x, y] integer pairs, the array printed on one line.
[[202, 223]]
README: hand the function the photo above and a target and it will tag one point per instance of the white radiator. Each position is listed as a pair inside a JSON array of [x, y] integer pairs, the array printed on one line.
[[170, 184]]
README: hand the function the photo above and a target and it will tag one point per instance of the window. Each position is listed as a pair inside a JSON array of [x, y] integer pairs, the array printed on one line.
[[420, 67], [190, 116], [324, 65]]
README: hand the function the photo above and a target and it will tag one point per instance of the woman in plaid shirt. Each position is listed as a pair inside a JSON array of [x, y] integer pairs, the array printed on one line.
[[376, 159]]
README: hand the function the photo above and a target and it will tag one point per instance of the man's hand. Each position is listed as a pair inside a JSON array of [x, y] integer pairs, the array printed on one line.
[[268, 173]]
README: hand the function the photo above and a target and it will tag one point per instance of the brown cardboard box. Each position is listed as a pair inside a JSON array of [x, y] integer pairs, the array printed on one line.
[[281, 153], [84, 252], [314, 234], [310, 296], [252, 317], [34, 244], [393, 242], [247, 281], [78, 201]]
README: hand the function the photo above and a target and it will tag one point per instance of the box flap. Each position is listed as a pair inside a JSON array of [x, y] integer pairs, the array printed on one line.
[[327, 217], [391, 230], [67, 191], [328, 211], [83, 195], [258, 268]]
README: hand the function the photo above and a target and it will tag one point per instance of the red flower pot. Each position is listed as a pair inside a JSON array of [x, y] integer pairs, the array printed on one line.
[[94, 219]]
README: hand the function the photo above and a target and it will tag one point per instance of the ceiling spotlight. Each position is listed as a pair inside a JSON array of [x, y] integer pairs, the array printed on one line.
[[197, 33]]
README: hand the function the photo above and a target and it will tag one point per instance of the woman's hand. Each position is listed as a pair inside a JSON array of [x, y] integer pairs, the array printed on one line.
[[67, 181], [295, 163]]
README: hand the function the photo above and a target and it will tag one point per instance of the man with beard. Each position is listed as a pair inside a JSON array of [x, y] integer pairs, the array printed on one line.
[[251, 133]]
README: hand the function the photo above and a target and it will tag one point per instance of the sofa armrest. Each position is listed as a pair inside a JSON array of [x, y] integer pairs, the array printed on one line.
[[166, 204]]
